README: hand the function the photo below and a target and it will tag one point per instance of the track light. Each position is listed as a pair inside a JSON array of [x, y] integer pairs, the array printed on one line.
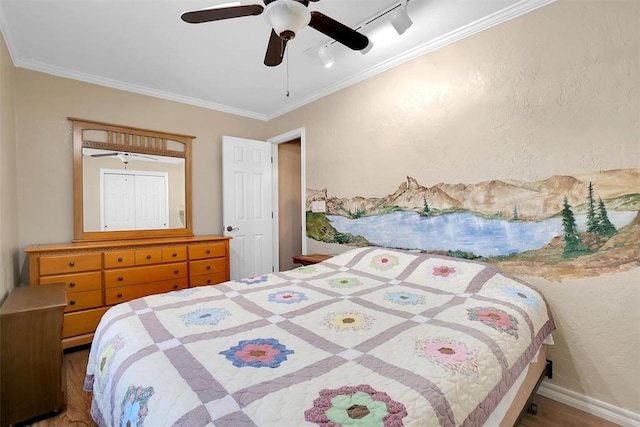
[[379, 31], [326, 56], [400, 18]]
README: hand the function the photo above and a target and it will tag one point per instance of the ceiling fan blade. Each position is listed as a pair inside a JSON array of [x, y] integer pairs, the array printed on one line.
[[143, 156], [104, 155], [275, 50], [216, 14], [338, 31]]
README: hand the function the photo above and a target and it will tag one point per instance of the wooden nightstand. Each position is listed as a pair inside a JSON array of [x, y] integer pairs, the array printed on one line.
[[31, 374], [310, 259]]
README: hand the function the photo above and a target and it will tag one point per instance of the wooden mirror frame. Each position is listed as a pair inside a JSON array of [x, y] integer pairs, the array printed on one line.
[[132, 140]]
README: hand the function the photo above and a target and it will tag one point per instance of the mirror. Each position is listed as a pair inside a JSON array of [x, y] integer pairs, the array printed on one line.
[[130, 183]]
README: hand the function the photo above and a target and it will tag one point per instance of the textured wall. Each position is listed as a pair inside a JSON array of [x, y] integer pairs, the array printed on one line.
[[8, 195], [552, 92]]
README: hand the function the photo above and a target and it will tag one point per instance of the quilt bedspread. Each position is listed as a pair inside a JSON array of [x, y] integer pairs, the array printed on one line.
[[371, 337]]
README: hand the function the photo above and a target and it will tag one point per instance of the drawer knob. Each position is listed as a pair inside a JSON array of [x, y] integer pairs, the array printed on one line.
[[208, 251], [71, 263], [72, 302], [208, 267], [119, 294], [148, 256], [72, 284], [176, 271], [175, 254], [119, 259], [208, 280], [120, 278], [175, 286]]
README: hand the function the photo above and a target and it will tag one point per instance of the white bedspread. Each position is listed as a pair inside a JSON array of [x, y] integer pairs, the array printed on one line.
[[372, 337]]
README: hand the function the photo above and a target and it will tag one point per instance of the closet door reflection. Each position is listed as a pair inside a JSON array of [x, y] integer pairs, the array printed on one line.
[[133, 200]]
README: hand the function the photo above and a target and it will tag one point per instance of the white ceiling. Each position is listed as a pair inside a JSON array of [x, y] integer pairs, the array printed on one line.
[[143, 46]]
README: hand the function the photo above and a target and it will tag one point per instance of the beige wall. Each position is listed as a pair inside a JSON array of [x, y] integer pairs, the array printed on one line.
[[44, 152], [552, 92], [9, 246]]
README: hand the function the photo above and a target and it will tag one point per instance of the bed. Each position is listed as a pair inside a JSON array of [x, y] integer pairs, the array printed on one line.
[[370, 337]]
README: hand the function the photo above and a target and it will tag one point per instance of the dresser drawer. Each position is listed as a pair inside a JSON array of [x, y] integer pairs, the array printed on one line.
[[82, 322], [148, 256], [119, 259], [208, 279], [174, 254], [59, 264], [206, 266], [127, 293], [79, 282], [83, 300], [210, 250], [153, 273]]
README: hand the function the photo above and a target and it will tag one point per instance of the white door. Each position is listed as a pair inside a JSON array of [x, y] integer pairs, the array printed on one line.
[[151, 202], [118, 209], [133, 200], [247, 213]]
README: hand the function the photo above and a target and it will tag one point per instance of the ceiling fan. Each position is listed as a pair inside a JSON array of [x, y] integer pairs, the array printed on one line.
[[124, 156], [286, 18]]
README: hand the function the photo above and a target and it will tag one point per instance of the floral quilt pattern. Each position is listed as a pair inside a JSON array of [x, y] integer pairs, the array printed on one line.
[[371, 337]]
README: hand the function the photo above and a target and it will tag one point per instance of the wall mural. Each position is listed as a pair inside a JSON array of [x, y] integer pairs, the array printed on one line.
[[559, 227]]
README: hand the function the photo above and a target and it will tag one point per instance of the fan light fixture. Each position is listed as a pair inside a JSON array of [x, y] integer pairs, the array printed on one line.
[[287, 17], [326, 56], [400, 18]]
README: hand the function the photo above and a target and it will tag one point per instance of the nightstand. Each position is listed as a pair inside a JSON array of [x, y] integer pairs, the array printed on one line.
[[31, 373], [310, 259]]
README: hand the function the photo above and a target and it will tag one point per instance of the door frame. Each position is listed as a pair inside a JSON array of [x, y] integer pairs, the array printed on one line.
[[274, 141]]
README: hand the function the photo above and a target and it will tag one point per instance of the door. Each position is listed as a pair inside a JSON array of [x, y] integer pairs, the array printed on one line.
[[118, 206], [247, 213], [133, 200], [151, 202]]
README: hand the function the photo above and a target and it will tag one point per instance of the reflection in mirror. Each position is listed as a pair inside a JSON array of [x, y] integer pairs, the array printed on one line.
[[132, 191], [130, 183]]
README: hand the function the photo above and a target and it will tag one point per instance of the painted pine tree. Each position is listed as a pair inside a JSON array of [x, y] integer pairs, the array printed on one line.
[[592, 221], [425, 207], [573, 244], [605, 227]]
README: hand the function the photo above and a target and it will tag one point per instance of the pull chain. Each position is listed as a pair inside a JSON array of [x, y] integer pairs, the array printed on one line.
[[287, 52]]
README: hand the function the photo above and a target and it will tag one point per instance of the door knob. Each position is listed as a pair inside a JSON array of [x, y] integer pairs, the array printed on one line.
[[230, 228]]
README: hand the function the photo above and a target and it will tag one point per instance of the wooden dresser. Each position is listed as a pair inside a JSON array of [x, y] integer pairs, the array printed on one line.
[[98, 275], [31, 372]]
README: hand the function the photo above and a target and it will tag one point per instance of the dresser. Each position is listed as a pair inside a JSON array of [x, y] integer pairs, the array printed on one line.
[[98, 275], [31, 371]]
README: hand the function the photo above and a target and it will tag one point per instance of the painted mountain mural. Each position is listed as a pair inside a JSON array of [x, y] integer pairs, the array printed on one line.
[[558, 227]]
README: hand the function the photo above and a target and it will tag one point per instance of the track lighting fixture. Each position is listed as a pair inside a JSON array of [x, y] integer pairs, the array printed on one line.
[[399, 18], [397, 15], [326, 56]]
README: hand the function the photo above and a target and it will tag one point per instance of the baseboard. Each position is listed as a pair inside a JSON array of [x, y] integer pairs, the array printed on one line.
[[590, 405]]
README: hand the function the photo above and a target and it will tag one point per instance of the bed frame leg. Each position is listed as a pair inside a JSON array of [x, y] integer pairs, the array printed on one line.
[[549, 369], [531, 407]]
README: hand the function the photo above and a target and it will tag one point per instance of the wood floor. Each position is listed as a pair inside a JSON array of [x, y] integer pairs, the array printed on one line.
[[550, 413]]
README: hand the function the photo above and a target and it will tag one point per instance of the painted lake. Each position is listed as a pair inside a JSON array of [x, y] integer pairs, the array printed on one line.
[[461, 231]]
